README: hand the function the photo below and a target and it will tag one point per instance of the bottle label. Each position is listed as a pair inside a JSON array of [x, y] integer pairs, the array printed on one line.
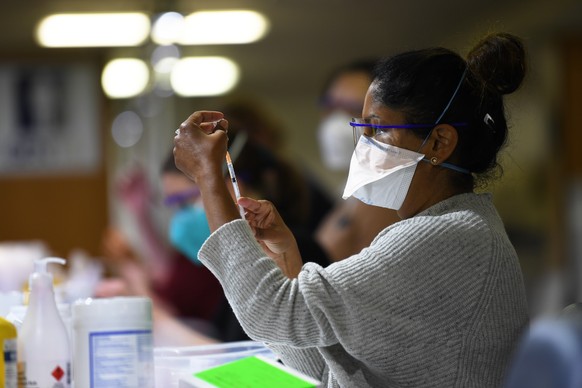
[[10, 363], [122, 359], [49, 374]]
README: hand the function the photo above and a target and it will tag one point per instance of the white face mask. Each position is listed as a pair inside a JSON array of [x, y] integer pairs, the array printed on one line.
[[336, 141], [380, 174]]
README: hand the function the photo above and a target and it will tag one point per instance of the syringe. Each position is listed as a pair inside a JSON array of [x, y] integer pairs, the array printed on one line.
[[234, 183], [241, 210]]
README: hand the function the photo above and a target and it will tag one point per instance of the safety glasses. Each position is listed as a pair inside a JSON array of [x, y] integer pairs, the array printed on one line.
[[371, 127]]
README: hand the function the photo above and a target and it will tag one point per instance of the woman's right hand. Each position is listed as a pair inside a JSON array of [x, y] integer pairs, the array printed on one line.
[[200, 146], [274, 236]]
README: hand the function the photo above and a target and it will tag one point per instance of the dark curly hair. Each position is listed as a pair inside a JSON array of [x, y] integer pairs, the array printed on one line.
[[420, 84]]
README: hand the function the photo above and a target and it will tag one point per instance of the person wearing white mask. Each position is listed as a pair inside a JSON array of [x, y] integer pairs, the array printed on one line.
[[437, 299], [342, 98], [351, 225]]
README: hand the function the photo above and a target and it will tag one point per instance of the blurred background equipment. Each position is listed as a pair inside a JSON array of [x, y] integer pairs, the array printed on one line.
[[549, 354]]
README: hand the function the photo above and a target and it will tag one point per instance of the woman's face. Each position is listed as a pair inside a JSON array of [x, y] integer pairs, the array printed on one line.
[[398, 137], [402, 138]]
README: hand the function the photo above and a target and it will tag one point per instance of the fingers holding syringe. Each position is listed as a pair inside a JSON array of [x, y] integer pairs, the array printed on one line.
[[272, 234], [203, 119], [264, 218], [259, 213], [199, 152]]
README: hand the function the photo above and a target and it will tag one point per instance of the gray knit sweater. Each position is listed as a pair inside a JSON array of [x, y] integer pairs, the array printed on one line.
[[437, 300]]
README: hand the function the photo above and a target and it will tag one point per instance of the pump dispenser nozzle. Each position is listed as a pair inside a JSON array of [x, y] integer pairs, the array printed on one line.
[[41, 277], [40, 266]]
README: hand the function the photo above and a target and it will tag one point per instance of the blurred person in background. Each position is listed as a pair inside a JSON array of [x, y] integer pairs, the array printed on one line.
[[351, 225], [181, 288], [256, 122]]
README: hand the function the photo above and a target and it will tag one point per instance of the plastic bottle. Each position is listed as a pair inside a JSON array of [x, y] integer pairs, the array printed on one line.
[[8, 366], [44, 358]]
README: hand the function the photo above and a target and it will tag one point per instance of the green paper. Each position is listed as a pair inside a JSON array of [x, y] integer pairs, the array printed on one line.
[[252, 372]]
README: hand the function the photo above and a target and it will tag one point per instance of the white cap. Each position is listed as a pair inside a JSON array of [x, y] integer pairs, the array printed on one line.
[[118, 309]]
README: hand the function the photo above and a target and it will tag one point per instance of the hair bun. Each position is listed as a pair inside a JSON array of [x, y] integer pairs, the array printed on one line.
[[499, 61]]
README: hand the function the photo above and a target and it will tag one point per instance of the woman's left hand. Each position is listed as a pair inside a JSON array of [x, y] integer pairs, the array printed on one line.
[[274, 236]]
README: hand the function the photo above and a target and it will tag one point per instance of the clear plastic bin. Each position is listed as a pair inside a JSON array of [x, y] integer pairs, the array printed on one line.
[[172, 362]]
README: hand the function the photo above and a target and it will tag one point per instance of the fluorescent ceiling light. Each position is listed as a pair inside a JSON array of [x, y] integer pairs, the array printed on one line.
[[223, 27], [125, 77], [93, 30], [204, 76]]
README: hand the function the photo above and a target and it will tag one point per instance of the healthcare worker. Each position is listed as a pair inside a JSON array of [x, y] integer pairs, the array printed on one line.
[[437, 300]]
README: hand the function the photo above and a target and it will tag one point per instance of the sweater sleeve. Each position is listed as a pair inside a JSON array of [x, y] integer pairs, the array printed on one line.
[[305, 360], [270, 307], [384, 291]]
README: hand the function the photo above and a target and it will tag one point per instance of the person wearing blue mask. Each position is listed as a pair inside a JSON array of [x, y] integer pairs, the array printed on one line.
[[188, 227], [437, 299], [186, 295], [190, 286]]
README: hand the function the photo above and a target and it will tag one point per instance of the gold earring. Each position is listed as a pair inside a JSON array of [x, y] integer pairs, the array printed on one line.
[[434, 161]]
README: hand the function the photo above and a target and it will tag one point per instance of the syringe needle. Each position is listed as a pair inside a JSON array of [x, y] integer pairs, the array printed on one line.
[[234, 183]]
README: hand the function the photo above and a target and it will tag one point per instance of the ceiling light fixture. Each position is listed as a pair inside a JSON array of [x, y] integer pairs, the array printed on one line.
[[204, 76], [188, 77], [133, 28], [93, 30], [223, 27], [125, 77]]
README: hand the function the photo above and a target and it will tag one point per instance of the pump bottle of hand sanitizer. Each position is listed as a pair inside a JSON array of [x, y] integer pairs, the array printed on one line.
[[44, 357]]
